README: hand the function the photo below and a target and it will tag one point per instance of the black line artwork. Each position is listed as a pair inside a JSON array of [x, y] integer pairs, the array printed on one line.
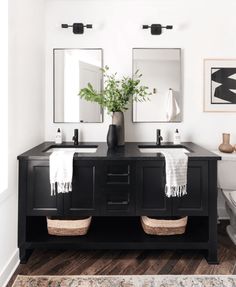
[[223, 85]]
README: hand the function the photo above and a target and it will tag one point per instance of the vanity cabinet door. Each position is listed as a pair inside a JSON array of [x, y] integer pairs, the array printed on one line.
[[82, 201], [151, 198], [196, 200], [39, 199]]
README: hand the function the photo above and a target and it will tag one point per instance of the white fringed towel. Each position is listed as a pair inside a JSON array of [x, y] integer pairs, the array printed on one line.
[[61, 171], [172, 107], [176, 162]]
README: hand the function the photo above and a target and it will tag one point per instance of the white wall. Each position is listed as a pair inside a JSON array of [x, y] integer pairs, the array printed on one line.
[[203, 29], [26, 112]]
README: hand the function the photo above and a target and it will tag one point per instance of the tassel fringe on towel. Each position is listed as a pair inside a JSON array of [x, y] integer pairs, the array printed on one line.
[[176, 191], [60, 187]]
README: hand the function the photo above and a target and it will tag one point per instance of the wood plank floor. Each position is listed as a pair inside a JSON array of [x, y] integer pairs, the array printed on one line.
[[56, 262]]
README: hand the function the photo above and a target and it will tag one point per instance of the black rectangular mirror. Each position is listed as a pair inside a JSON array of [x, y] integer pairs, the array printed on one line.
[[73, 70], [161, 73]]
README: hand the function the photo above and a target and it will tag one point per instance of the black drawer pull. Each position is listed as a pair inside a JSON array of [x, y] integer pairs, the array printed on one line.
[[124, 202], [118, 174]]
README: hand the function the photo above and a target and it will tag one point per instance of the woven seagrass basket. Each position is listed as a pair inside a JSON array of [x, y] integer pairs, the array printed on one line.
[[164, 226], [68, 227]]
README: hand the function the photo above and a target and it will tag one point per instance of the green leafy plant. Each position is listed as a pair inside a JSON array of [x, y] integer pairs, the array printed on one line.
[[117, 94]]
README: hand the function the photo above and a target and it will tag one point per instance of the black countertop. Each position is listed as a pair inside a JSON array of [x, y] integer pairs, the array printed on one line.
[[129, 152]]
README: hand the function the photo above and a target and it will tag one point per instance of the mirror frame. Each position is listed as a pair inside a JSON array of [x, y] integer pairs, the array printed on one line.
[[54, 96], [180, 87]]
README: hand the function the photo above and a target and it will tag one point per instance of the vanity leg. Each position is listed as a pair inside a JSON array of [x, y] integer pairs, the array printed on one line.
[[22, 218], [212, 257], [25, 254], [212, 215]]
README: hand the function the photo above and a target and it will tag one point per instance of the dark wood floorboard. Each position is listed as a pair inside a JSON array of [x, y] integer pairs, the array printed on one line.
[[150, 262]]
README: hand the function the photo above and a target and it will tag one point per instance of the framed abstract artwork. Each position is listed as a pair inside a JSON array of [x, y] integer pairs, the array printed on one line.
[[220, 85]]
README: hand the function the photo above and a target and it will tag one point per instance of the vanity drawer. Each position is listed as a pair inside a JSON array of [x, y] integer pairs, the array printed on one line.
[[117, 178], [116, 173], [118, 168], [117, 201]]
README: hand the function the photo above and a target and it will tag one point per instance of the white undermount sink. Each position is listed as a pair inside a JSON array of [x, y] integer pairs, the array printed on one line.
[[160, 150], [74, 149]]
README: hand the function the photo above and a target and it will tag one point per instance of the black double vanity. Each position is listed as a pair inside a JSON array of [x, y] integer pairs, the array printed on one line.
[[116, 188]]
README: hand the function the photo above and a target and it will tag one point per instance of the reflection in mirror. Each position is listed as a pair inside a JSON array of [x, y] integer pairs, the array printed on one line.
[[73, 70], [161, 70]]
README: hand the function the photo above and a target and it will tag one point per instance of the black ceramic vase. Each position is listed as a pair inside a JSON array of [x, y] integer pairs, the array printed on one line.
[[112, 137]]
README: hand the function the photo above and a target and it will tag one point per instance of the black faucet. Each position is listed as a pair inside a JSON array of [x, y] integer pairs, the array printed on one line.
[[159, 137], [76, 137]]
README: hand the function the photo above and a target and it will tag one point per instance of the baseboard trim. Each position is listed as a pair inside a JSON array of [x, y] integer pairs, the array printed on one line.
[[9, 268]]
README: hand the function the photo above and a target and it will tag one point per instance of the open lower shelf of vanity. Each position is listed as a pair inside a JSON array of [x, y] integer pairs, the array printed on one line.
[[118, 233]]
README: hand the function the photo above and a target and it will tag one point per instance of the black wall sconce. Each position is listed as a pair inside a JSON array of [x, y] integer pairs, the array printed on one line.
[[78, 28], [156, 29]]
